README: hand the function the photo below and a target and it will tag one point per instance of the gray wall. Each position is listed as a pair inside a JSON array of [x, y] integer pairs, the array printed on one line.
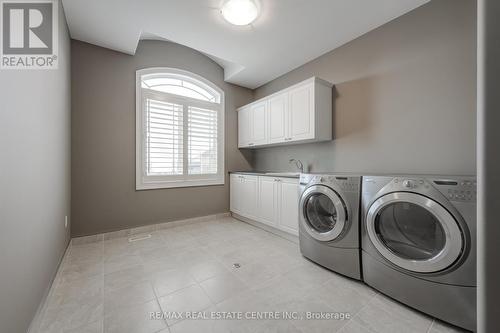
[[35, 184], [405, 97], [103, 140], [488, 166]]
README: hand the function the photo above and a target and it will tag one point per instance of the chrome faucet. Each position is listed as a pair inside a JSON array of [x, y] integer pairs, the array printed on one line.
[[298, 164]]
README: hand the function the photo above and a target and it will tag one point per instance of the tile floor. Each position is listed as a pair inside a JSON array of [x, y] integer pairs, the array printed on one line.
[[114, 286]]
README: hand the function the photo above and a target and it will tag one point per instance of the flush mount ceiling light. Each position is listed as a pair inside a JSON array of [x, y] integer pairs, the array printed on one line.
[[240, 12]]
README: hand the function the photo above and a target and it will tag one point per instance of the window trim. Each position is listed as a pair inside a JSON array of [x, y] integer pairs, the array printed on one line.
[[144, 182]]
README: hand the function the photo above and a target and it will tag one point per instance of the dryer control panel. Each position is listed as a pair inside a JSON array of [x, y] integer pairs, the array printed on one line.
[[463, 190]]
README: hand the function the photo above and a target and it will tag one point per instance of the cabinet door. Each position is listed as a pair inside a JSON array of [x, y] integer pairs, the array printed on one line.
[[278, 109], [267, 198], [259, 125], [289, 206], [235, 193], [248, 196], [244, 127], [301, 113]]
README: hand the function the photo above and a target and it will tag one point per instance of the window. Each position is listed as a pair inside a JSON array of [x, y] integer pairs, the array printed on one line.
[[179, 130]]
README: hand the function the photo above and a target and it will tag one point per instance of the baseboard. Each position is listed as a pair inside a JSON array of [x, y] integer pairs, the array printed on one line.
[[145, 229], [36, 321], [268, 228]]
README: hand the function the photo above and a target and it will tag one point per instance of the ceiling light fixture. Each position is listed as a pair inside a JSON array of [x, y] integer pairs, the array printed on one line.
[[240, 12]]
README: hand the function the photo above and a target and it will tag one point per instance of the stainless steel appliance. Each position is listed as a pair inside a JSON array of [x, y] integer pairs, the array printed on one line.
[[419, 243], [329, 221]]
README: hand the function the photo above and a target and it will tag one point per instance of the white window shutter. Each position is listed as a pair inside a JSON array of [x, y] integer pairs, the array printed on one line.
[[164, 138], [203, 141]]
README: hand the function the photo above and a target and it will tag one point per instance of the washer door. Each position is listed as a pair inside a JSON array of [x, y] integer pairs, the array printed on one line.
[[323, 213], [414, 232]]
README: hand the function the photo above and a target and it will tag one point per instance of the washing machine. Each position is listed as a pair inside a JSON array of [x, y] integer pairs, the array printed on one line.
[[329, 221], [419, 243]]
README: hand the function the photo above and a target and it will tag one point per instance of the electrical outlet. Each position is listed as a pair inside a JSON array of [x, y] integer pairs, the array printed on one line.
[[66, 221]]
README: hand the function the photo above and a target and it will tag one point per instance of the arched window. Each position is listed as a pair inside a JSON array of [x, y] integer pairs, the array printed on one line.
[[180, 84], [179, 130]]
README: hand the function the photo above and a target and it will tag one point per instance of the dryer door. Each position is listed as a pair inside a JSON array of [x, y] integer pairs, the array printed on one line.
[[323, 214], [414, 232]]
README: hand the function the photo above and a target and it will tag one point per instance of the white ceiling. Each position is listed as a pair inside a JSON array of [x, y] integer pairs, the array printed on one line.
[[287, 34]]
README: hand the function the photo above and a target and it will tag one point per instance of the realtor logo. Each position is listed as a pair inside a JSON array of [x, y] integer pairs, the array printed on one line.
[[29, 34]]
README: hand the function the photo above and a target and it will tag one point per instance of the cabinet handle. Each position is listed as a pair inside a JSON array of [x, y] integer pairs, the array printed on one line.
[[277, 179], [250, 144]]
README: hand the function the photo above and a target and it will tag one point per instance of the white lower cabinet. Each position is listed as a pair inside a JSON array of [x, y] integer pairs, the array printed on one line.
[[289, 206], [270, 200], [267, 199], [243, 195], [234, 193], [249, 194]]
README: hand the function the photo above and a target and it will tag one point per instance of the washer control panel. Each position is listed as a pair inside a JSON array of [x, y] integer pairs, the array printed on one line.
[[463, 190], [348, 184], [411, 183]]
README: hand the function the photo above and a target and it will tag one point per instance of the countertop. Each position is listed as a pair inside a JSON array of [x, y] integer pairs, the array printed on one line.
[[283, 174]]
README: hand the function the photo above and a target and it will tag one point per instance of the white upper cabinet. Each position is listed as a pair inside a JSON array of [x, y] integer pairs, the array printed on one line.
[[253, 125], [278, 114], [299, 114], [244, 127], [260, 132]]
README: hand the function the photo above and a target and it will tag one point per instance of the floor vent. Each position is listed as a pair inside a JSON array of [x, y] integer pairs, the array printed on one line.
[[139, 238]]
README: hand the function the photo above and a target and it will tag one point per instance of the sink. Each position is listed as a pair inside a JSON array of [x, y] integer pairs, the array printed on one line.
[[283, 174]]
